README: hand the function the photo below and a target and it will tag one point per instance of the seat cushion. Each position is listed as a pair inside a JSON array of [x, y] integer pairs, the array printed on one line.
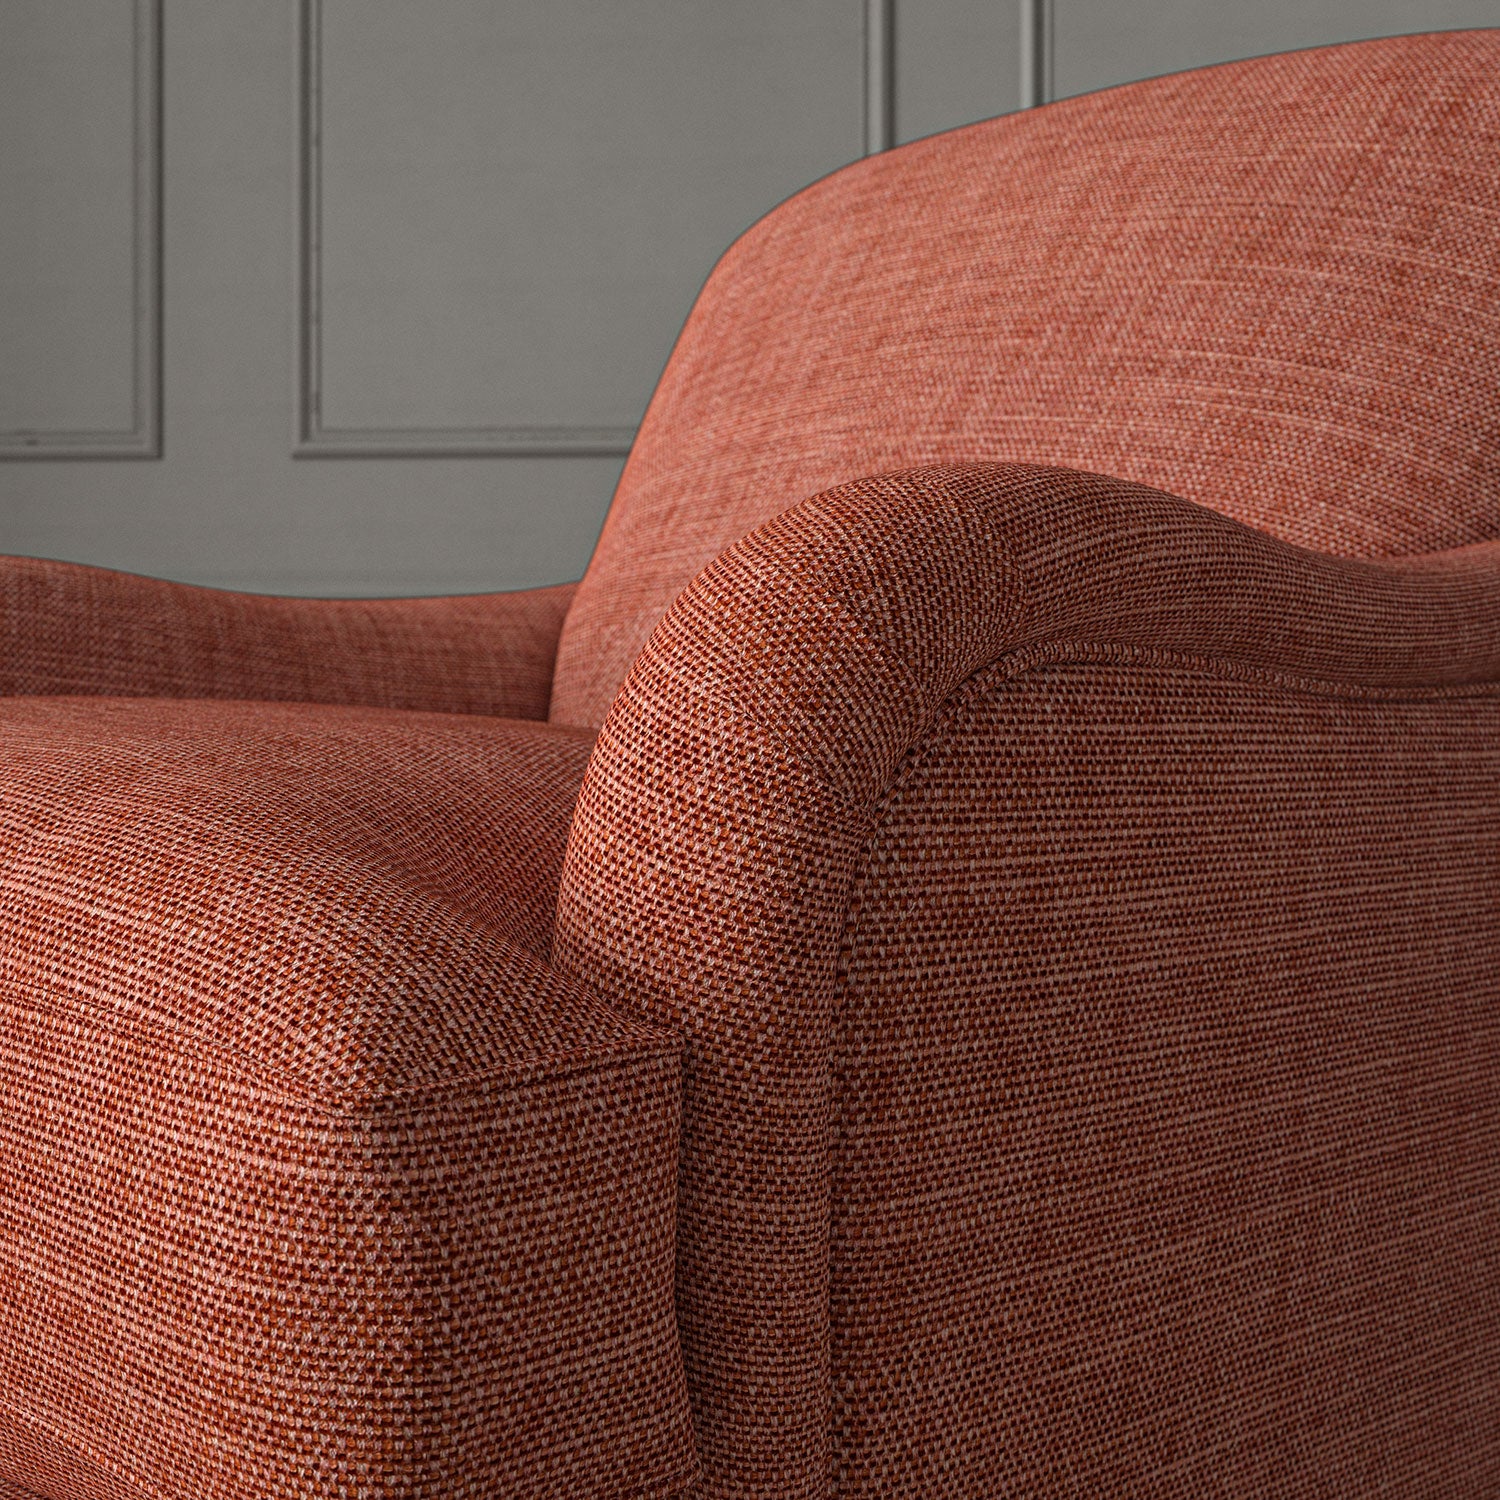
[[315, 1179]]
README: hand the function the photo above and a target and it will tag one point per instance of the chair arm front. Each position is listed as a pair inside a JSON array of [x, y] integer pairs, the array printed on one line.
[[730, 842], [66, 628]]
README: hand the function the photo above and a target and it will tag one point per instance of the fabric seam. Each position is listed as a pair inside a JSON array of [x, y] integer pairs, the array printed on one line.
[[1009, 667], [336, 1106]]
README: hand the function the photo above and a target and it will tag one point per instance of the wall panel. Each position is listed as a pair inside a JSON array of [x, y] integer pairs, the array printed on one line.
[[956, 61], [1104, 42], [79, 242], [509, 209]]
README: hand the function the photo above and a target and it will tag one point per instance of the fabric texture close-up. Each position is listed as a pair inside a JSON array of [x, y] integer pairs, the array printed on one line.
[[961, 960]]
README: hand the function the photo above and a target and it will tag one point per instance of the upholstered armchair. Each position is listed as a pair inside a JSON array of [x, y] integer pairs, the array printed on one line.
[[961, 960]]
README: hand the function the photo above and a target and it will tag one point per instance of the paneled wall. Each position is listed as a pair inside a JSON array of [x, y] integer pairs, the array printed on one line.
[[367, 296], [1101, 42]]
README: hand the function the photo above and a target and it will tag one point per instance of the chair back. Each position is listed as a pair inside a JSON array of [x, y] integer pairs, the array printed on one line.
[[1271, 287]]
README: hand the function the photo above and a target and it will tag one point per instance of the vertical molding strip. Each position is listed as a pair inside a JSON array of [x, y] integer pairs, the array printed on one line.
[[880, 76], [308, 379], [143, 438], [1038, 74]]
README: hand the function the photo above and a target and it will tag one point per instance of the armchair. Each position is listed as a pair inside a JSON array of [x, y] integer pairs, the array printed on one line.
[[978, 980]]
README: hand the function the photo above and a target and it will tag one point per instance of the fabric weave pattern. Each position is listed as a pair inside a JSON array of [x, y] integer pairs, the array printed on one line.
[[1007, 1004], [1168, 1096], [1270, 287], [319, 1181], [738, 788], [66, 628]]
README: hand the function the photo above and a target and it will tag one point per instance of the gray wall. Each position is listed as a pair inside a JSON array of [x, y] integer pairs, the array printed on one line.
[[366, 297]]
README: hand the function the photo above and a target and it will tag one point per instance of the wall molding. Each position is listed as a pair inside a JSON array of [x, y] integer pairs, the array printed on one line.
[[1038, 53], [314, 439], [143, 438], [880, 76]]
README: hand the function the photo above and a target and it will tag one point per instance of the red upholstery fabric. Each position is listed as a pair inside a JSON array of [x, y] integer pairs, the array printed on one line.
[[1271, 287], [1167, 1088], [1028, 945], [71, 629], [1101, 987], [315, 1180]]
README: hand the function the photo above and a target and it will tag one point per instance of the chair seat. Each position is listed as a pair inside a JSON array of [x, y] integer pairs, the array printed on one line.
[[290, 882], [303, 1123]]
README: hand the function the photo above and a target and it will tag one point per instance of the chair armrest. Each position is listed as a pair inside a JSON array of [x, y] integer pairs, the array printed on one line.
[[316, 1178], [723, 838], [66, 628]]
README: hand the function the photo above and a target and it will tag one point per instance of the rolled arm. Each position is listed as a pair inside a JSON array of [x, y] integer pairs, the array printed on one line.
[[70, 629], [843, 624], [747, 764]]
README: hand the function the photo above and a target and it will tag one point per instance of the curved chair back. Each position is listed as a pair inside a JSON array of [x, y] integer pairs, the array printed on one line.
[[1271, 287]]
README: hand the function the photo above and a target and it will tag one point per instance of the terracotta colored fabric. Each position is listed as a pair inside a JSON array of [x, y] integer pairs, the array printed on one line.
[[65, 628], [315, 1179], [1027, 943], [1308, 844], [1271, 287], [1167, 1088]]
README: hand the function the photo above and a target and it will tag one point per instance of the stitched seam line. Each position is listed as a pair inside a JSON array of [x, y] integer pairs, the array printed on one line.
[[1007, 668], [1028, 659], [333, 1104]]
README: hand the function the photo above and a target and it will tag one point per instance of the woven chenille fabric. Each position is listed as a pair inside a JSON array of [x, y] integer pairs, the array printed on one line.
[[1083, 915], [1008, 1004], [71, 629], [1271, 287], [315, 1179], [1167, 1089]]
